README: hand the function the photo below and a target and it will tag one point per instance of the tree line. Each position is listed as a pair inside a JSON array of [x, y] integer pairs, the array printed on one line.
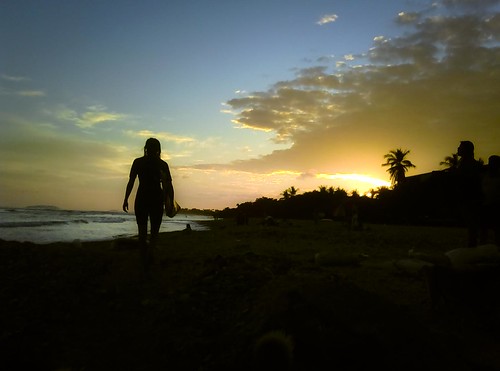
[[417, 202]]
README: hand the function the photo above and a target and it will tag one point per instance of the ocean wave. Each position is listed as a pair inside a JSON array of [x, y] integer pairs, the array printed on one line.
[[110, 220], [45, 223], [40, 223], [78, 221], [30, 224], [46, 226], [42, 207]]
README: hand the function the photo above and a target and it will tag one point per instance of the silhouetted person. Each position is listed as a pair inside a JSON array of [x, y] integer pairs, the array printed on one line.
[[469, 190], [491, 200], [242, 218], [154, 195]]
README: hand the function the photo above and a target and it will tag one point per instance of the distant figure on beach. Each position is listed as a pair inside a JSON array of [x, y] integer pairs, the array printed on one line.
[[348, 212], [242, 218], [490, 214], [154, 195], [469, 190]]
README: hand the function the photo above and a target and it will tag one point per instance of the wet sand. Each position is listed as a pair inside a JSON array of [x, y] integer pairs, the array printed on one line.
[[338, 294]]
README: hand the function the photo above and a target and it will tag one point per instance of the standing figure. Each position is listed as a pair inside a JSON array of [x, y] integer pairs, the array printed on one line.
[[154, 195], [469, 190]]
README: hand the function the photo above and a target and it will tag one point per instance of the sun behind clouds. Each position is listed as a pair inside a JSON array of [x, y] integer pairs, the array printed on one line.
[[361, 183]]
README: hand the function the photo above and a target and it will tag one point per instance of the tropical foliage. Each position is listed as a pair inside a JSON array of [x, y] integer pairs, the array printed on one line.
[[450, 162], [424, 198], [289, 192], [398, 165]]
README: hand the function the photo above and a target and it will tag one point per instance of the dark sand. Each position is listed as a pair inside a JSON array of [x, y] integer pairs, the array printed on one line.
[[212, 294]]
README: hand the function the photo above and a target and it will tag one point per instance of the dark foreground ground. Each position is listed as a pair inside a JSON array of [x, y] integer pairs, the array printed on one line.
[[211, 295]]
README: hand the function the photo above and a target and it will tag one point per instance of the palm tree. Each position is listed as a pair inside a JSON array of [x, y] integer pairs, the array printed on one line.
[[323, 189], [377, 193], [289, 193], [398, 165], [451, 162]]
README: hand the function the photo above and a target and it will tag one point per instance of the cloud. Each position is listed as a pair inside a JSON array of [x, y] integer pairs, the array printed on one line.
[[22, 93], [92, 116], [31, 93], [475, 5], [327, 18], [162, 136], [426, 90], [14, 78], [89, 119], [408, 17], [96, 115], [13, 83]]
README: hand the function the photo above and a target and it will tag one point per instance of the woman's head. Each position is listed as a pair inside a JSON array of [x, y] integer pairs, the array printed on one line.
[[466, 149], [152, 147]]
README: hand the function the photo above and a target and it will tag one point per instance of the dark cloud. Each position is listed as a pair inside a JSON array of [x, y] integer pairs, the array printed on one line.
[[436, 84], [469, 5]]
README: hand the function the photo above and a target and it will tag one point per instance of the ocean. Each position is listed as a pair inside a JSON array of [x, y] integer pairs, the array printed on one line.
[[48, 224]]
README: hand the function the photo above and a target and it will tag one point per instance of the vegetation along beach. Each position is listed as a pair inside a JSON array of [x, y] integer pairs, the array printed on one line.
[[338, 298]]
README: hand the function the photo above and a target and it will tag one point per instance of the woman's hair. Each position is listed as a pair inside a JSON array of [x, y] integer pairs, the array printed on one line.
[[152, 147], [467, 146]]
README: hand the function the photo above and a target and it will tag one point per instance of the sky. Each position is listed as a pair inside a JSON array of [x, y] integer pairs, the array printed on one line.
[[247, 98]]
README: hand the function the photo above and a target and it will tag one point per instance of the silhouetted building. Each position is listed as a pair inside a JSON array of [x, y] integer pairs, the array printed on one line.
[[430, 198]]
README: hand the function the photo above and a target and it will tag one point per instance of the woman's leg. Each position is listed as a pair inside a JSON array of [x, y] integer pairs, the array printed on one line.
[[141, 216], [156, 217]]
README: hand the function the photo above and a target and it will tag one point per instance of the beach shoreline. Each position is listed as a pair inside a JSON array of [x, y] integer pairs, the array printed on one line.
[[48, 225], [211, 294]]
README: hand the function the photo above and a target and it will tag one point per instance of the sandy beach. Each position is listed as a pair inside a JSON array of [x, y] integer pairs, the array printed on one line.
[[344, 298]]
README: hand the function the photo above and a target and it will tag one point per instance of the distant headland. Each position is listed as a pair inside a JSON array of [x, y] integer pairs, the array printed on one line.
[[42, 207]]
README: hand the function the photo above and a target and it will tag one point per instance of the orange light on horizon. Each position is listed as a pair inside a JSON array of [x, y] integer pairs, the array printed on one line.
[[373, 182]]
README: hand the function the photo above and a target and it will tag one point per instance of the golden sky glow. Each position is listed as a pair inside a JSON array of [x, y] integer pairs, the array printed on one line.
[[363, 179], [307, 96]]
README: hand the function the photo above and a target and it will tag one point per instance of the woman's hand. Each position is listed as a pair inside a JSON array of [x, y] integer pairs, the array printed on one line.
[[125, 206]]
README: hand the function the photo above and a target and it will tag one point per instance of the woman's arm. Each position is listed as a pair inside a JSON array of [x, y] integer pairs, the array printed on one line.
[[168, 189], [130, 186]]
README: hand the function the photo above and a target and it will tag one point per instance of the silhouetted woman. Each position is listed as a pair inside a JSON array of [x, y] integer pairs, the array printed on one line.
[[155, 194]]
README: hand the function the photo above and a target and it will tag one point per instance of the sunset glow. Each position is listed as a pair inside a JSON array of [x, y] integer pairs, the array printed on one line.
[[309, 94], [368, 181]]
